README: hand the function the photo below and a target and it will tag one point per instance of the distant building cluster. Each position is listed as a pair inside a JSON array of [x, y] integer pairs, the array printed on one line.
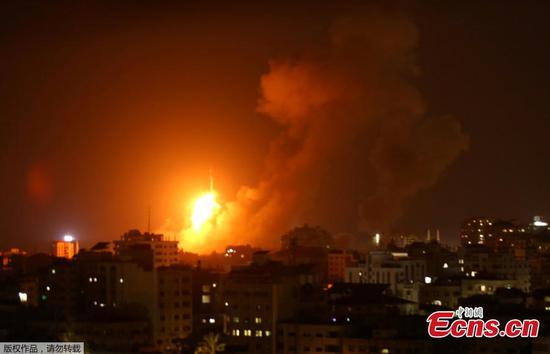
[[315, 294]]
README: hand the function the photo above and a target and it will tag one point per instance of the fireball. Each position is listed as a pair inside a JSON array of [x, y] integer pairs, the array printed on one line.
[[204, 210]]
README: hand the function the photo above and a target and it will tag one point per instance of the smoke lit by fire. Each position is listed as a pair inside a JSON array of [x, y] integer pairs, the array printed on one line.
[[355, 138]]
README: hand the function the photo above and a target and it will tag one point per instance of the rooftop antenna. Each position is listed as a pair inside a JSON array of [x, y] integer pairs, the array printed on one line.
[[149, 220], [211, 179]]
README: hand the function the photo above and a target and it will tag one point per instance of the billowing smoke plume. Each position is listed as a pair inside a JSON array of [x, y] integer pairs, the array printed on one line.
[[354, 135]]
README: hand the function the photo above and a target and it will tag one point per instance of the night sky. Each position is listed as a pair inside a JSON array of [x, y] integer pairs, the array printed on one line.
[[108, 110]]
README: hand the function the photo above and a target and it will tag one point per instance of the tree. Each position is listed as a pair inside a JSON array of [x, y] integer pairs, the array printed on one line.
[[210, 344]]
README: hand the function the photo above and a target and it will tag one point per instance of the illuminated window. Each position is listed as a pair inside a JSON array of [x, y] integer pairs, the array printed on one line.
[[385, 351], [247, 332], [235, 319], [236, 333], [267, 333], [483, 288], [23, 297], [206, 288], [257, 320], [212, 320], [258, 333], [206, 299]]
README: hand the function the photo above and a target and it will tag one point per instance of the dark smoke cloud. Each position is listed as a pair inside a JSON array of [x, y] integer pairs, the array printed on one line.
[[351, 116]]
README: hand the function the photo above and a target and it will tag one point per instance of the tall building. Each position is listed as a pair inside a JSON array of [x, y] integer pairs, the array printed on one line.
[[208, 304], [338, 260], [238, 255], [323, 336], [476, 231], [59, 289], [315, 257], [538, 271], [114, 283], [393, 269], [480, 259], [307, 236], [172, 318], [357, 273], [439, 260], [256, 298], [67, 248], [310, 336], [142, 246], [500, 235], [98, 283]]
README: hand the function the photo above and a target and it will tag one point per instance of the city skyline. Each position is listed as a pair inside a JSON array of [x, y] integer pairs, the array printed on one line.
[[140, 293], [430, 234]]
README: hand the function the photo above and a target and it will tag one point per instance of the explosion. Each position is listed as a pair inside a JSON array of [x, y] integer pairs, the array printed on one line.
[[201, 222], [356, 139], [204, 209]]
